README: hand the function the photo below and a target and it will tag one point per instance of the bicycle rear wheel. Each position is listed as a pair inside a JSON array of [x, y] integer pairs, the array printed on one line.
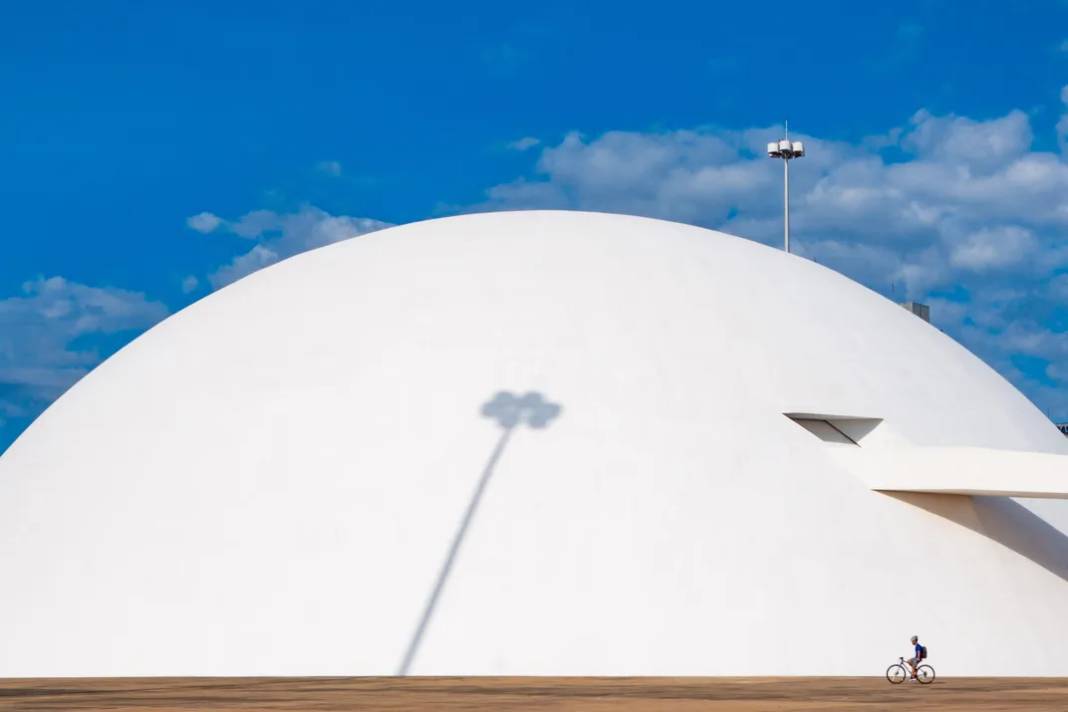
[[896, 674], [925, 674]]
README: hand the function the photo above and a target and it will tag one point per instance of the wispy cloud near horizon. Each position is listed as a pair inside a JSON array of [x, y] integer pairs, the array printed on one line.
[[277, 236], [54, 332]]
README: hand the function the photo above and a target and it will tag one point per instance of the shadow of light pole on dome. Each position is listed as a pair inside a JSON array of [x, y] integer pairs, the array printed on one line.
[[509, 411]]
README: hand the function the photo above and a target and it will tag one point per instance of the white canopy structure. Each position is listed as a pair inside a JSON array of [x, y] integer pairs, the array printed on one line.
[[536, 443]]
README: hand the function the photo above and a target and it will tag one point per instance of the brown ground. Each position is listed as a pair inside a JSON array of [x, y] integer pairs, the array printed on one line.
[[532, 693]]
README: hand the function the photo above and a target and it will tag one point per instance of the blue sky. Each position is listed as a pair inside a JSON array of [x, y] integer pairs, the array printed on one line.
[[151, 152]]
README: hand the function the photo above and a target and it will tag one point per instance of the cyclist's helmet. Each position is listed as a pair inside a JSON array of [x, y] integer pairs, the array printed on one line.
[[915, 638]]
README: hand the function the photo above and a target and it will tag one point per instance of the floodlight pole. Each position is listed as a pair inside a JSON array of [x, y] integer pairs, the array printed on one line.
[[786, 205], [786, 150]]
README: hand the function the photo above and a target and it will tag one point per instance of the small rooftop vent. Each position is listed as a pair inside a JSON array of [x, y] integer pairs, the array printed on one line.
[[921, 310]]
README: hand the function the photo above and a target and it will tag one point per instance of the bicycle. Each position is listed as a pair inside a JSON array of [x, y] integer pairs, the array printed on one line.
[[899, 672]]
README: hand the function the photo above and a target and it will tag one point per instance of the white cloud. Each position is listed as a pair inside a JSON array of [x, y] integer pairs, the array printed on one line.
[[255, 224], [203, 222], [330, 168], [47, 334], [281, 235], [963, 142], [991, 248], [190, 284], [664, 175], [244, 264]]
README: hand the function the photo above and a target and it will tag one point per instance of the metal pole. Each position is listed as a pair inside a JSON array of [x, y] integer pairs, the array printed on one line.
[[786, 203], [786, 150]]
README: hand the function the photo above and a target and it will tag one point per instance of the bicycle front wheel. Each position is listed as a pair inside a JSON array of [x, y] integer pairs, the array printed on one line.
[[925, 674], [896, 674]]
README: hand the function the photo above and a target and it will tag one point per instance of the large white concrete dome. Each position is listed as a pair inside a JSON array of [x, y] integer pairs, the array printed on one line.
[[274, 480]]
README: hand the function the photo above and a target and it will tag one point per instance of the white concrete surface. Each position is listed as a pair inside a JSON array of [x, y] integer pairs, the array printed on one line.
[[270, 481], [970, 471]]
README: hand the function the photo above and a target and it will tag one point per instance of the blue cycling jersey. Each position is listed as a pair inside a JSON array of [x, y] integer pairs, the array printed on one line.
[[919, 650]]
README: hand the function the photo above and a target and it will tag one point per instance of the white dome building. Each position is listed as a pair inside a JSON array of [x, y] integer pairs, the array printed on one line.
[[732, 461]]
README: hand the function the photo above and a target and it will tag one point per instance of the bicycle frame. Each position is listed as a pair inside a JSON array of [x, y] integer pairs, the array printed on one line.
[[925, 677]]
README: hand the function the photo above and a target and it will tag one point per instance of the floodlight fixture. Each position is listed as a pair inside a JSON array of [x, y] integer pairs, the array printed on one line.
[[787, 150]]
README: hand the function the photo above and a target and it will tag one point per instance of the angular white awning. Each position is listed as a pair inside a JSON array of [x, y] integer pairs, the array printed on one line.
[[968, 470], [888, 463]]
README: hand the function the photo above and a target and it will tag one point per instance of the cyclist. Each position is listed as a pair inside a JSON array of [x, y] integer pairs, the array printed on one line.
[[919, 653]]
